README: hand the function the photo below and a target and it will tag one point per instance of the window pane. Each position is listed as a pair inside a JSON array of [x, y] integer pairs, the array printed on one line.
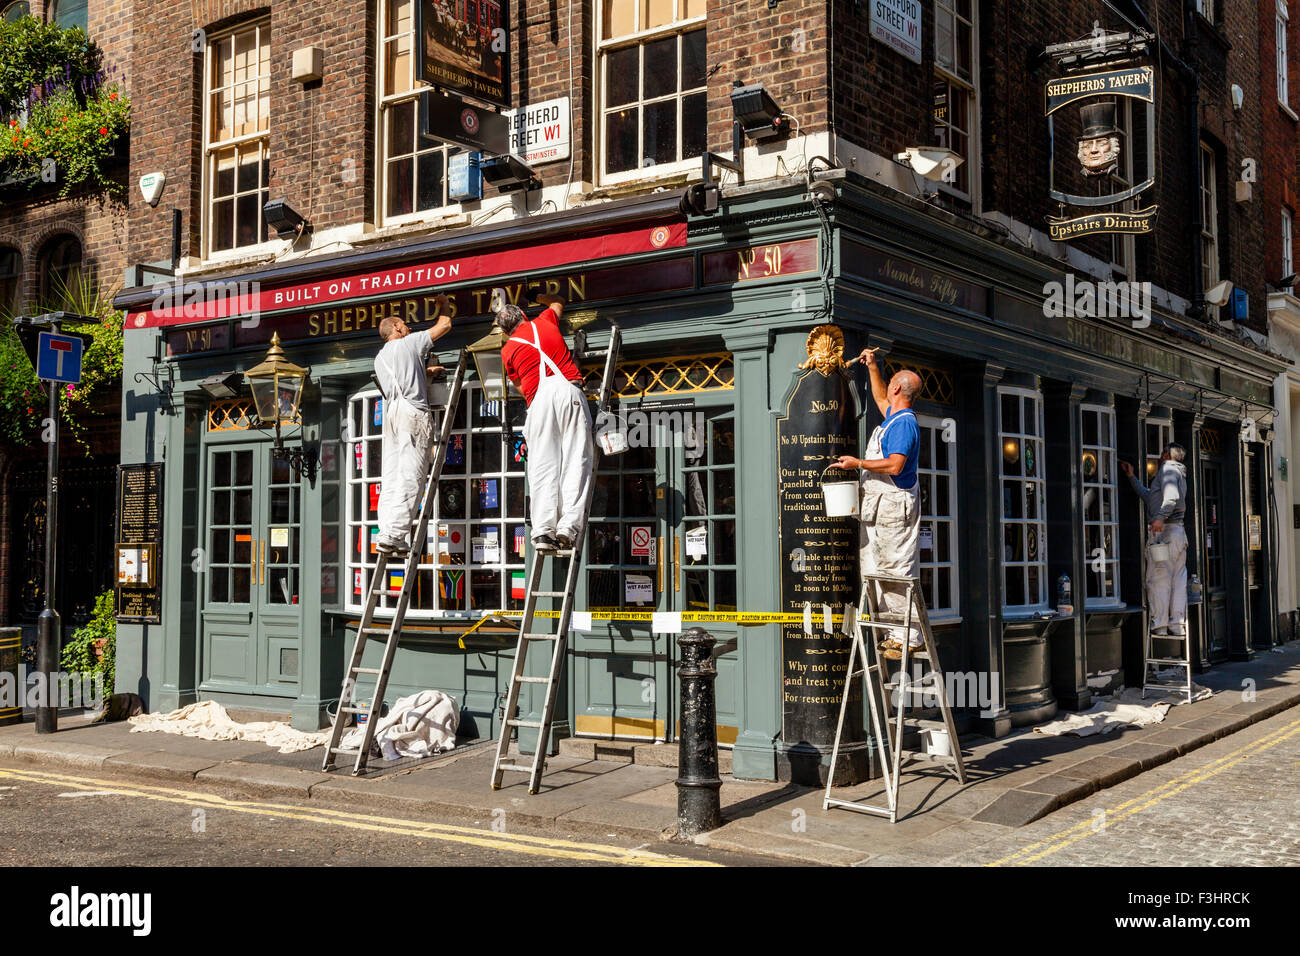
[[695, 125], [223, 225], [400, 186], [247, 219], [694, 59], [656, 13], [622, 76], [620, 140], [429, 176], [619, 19], [1010, 413], [661, 68], [660, 133]]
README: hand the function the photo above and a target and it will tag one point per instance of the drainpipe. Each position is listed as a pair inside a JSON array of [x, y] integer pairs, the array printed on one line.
[[1192, 84]]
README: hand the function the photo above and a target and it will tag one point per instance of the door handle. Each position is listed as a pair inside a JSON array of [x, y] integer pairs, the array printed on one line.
[[659, 563], [677, 564], [252, 581], [261, 575]]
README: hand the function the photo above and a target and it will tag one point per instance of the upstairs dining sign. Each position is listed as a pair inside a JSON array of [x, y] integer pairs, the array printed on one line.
[[1099, 173]]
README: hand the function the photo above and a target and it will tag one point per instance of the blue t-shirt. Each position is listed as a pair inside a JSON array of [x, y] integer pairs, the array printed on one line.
[[902, 436]]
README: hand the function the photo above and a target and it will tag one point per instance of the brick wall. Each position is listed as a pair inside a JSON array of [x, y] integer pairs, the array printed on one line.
[[1279, 180], [30, 220]]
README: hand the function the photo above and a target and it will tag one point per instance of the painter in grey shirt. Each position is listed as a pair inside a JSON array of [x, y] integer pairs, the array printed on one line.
[[1166, 498], [401, 367]]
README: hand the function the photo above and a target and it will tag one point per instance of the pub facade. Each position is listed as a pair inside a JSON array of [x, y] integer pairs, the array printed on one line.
[[1030, 401]]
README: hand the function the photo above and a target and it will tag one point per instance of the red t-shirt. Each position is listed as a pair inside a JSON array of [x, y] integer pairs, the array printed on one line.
[[523, 363]]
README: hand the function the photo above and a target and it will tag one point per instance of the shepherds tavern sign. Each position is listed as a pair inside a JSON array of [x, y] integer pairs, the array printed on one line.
[[1096, 163]]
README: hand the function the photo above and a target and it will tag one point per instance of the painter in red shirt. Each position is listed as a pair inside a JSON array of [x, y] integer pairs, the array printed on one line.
[[558, 427]]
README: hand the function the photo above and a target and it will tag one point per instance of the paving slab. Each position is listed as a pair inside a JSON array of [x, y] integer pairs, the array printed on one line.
[[788, 848], [1015, 808], [64, 753], [159, 764], [1149, 752], [1106, 771], [630, 819], [258, 780], [1068, 789], [1184, 739]]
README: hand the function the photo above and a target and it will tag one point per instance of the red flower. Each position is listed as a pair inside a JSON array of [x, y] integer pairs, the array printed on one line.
[[15, 139], [27, 142], [103, 131], [112, 96]]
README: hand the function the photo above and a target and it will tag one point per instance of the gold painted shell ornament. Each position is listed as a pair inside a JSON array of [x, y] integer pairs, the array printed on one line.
[[825, 347]]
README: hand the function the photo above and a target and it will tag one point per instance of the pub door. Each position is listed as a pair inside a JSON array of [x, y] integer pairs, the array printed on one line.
[[662, 537], [251, 613], [1214, 585]]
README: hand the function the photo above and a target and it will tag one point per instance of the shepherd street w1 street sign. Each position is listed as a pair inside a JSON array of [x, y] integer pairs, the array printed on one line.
[[58, 358]]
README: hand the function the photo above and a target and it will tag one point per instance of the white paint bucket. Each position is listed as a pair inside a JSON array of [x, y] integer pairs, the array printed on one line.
[[937, 742], [841, 497], [1158, 551]]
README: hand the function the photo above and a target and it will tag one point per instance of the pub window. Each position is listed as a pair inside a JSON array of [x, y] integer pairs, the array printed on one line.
[[1206, 9], [708, 551], [624, 498], [1024, 527], [413, 167], [474, 555], [11, 271], [651, 71], [1209, 223], [236, 134], [16, 11], [68, 13], [1288, 248], [936, 475], [1100, 518], [59, 264], [1160, 432], [1283, 18], [956, 84], [1211, 476]]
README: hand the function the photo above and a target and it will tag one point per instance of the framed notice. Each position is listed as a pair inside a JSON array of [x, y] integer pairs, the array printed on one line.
[[139, 543], [464, 47]]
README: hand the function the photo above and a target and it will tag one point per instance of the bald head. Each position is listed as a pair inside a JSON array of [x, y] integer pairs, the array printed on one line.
[[904, 387]]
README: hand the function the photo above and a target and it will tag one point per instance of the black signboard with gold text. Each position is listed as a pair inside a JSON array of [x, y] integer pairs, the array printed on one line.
[[139, 543]]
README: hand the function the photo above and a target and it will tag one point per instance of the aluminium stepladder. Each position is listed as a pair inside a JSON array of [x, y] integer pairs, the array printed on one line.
[[874, 670], [381, 585], [558, 640], [1150, 677]]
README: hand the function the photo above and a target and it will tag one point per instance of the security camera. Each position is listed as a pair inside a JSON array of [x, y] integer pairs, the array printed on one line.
[[1219, 294]]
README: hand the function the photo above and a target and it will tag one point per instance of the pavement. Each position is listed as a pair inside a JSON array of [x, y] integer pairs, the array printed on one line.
[[610, 788]]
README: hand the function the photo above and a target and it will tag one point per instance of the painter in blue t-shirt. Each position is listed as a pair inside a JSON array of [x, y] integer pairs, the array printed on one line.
[[901, 435]]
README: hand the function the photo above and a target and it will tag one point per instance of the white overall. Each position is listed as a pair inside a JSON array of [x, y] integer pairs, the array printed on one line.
[[1167, 580], [407, 435], [558, 433], [891, 528]]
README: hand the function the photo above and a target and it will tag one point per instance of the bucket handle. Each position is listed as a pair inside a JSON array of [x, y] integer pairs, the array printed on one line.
[[846, 471]]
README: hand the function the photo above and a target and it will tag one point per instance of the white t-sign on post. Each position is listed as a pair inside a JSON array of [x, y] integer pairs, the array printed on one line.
[[539, 132]]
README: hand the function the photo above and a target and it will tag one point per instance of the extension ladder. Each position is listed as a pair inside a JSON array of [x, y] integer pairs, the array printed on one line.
[[1150, 660], [380, 585], [557, 641], [874, 670]]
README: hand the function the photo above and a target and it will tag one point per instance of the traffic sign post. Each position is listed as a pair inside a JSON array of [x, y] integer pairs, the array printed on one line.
[[57, 359]]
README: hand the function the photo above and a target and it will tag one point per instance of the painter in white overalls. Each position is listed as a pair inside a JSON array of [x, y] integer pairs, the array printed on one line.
[[401, 369], [889, 508], [558, 426]]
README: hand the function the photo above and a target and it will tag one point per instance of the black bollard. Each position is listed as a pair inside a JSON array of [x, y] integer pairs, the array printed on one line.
[[699, 806]]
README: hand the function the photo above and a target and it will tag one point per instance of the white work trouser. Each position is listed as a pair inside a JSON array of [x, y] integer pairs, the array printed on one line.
[[558, 432], [889, 536], [1167, 580], [407, 436]]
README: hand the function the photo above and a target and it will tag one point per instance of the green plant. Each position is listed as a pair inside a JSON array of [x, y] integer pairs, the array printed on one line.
[[93, 646], [23, 399], [61, 116]]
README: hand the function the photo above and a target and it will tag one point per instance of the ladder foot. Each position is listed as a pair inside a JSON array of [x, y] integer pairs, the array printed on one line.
[[532, 793]]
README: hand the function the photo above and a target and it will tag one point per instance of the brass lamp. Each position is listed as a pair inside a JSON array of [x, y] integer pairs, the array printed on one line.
[[487, 362], [276, 384]]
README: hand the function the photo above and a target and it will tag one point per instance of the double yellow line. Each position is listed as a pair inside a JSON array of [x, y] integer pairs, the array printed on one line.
[[552, 848], [1059, 841]]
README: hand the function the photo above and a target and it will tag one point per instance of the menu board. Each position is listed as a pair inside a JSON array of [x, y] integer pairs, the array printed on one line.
[[139, 543], [819, 558]]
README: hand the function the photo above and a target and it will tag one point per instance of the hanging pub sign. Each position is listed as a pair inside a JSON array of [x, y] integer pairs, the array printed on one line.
[[464, 47], [1094, 172], [453, 120]]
